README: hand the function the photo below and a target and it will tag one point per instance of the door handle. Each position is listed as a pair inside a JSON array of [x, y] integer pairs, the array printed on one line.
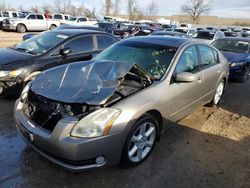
[[200, 79]]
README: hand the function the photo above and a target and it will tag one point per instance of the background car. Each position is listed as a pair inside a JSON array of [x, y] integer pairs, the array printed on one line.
[[171, 33], [208, 35], [237, 51], [112, 109], [22, 62]]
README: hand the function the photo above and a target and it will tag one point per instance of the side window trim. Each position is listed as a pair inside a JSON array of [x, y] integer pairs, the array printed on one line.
[[61, 46]]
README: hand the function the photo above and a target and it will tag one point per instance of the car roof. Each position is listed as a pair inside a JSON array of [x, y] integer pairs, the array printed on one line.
[[168, 32], [72, 32], [244, 39], [160, 40]]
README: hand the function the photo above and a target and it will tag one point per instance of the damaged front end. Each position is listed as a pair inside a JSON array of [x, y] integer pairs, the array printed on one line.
[[79, 89]]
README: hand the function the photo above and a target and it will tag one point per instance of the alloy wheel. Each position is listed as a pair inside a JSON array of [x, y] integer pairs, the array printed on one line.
[[142, 142]]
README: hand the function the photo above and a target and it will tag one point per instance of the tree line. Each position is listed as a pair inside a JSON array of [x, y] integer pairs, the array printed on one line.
[[135, 11]]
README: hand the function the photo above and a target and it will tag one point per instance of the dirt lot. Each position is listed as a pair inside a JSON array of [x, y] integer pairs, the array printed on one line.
[[9, 38], [210, 148]]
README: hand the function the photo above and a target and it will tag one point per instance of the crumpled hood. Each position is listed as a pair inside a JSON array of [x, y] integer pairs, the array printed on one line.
[[83, 82], [8, 56], [236, 57]]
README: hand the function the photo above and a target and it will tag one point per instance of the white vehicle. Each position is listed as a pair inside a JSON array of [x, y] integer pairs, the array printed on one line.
[[30, 22], [184, 27], [114, 19], [81, 21], [62, 17], [8, 14]]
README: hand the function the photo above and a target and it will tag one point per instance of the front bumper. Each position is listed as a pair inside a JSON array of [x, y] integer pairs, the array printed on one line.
[[11, 87], [236, 72], [75, 154], [8, 27]]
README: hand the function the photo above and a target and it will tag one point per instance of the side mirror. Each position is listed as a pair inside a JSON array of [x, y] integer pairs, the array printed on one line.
[[65, 51], [185, 77]]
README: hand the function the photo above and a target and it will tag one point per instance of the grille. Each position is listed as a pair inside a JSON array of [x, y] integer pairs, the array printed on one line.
[[6, 21], [44, 112]]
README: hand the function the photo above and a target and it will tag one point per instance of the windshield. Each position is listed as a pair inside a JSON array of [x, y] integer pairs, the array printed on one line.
[[203, 35], [72, 19], [41, 43], [23, 15], [154, 59], [232, 46], [94, 82]]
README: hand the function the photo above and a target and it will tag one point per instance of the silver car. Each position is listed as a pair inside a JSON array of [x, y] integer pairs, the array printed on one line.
[[112, 109]]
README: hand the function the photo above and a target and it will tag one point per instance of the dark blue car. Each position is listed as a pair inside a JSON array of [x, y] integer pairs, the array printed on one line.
[[237, 51]]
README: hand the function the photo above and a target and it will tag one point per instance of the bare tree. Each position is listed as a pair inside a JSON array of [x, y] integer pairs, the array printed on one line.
[[45, 8], [61, 6], [107, 6], [151, 9], [2, 6], [195, 8], [132, 9], [116, 7], [34, 9]]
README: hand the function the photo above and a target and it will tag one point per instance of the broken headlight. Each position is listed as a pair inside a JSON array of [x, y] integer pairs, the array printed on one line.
[[97, 123]]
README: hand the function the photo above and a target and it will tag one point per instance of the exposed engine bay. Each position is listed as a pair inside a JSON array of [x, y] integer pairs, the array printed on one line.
[[46, 112]]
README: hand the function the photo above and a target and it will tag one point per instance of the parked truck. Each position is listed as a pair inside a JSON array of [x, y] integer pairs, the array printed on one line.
[[6, 15], [62, 17], [30, 22], [81, 21]]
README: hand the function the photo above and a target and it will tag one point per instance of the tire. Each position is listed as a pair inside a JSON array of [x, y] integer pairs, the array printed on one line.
[[21, 28], [138, 145], [218, 94], [245, 75], [52, 27]]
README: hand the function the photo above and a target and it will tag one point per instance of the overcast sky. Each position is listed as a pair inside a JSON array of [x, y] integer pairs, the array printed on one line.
[[222, 8]]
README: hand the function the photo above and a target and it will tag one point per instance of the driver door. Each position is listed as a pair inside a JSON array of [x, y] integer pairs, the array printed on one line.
[[185, 96], [82, 49]]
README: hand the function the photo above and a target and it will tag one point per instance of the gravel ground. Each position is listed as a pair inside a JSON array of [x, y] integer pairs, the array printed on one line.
[[209, 148]]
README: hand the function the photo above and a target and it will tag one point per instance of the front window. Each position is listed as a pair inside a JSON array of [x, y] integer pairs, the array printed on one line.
[[6, 14], [41, 43], [236, 46], [154, 59]]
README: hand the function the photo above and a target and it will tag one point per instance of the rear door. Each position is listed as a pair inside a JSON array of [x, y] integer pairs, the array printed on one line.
[[211, 69], [103, 41], [186, 96], [41, 22]]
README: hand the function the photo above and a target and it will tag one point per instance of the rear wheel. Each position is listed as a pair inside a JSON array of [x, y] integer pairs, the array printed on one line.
[[218, 94], [52, 27], [140, 141], [21, 28]]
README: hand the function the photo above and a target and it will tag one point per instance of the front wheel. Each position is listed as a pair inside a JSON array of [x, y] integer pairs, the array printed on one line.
[[21, 28], [140, 141]]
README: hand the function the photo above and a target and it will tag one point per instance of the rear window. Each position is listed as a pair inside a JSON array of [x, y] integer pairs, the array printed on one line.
[[209, 56], [105, 41], [39, 17], [58, 17]]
